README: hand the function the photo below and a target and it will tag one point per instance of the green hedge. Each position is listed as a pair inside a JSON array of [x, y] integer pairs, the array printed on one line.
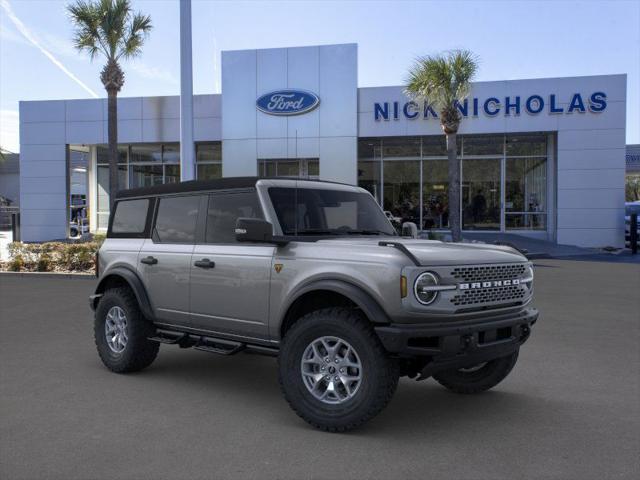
[[53, 256]]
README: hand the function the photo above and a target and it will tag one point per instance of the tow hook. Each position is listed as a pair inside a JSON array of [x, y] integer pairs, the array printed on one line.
[[468, 342]]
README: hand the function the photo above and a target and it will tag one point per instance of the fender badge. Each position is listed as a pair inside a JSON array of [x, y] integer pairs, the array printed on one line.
[[278, 267]]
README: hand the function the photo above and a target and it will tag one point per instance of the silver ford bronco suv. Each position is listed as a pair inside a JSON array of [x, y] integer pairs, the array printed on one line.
[[313, 273]]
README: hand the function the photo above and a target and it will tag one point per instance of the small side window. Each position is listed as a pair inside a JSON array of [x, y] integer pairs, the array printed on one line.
[[130, 216], [224, 209], [176, 219]]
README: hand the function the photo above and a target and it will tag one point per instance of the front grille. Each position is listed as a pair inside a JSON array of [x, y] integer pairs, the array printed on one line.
[[508, 294], [488, 272]]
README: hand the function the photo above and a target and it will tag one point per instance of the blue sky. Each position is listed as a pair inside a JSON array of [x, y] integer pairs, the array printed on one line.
[[513, 40]]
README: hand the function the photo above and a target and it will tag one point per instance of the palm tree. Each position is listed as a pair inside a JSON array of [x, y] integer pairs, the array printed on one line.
[[109, 28], [443, 81]]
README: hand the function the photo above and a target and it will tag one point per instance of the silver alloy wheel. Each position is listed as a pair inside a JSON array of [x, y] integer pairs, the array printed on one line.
[[115, 329], [331, 370]]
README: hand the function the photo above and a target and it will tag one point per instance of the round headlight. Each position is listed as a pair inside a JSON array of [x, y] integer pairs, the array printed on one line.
[[422, 288]]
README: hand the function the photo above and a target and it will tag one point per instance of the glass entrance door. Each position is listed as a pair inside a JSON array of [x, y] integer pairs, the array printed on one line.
[[481, 194]]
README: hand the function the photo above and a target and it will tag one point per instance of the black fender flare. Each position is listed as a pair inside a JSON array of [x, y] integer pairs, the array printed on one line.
[[363, 300], [133, 280]]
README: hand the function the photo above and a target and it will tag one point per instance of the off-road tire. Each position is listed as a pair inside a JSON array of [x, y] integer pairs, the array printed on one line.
[[379, 378], [139, 352], [485, 378]]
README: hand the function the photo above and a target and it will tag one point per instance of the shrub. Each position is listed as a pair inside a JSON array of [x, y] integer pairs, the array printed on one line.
[[44, 263], [52, 256], [16, 263]]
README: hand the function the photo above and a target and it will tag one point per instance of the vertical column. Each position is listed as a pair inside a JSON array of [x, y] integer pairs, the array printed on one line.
[[187, 148]]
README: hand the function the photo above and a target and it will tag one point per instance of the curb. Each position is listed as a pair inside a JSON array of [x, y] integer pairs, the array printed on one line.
[[73, 276]]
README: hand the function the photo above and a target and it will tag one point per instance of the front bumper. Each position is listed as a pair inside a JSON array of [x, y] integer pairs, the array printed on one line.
[[458, 345]]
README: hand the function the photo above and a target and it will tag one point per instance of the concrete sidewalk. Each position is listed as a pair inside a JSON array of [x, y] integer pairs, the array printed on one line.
[[537, 249]]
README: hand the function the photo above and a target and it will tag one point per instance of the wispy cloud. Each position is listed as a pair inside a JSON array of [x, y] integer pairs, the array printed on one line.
[[153, 73], [9, 124], [26, 33]]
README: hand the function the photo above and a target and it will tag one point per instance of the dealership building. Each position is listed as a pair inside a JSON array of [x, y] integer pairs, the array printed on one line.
[[544, 158]]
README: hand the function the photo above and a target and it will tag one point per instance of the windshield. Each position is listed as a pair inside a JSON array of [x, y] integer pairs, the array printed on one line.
[[307, 211]]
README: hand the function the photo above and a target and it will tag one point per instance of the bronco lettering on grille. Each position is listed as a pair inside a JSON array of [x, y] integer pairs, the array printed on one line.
[[494, 283]]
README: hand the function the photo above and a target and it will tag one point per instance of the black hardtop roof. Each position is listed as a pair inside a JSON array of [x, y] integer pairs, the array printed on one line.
[[227, 183], [190, 186]]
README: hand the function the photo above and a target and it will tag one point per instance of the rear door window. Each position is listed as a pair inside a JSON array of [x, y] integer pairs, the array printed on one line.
[[223, 212], [130, 216], [176, 219]]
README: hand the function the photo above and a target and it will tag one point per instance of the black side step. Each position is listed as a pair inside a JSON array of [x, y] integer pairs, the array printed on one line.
[[218, 345], [169, 337], [204, 343]]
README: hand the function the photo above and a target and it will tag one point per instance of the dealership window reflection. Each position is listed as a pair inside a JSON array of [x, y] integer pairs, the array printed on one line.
[[139, 165], [503, 179]]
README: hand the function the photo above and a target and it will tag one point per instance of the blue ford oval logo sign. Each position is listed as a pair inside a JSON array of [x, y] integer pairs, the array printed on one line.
[[287, 102]]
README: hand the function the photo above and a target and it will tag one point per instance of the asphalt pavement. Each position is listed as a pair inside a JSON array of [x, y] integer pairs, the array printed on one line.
[[569, 410]]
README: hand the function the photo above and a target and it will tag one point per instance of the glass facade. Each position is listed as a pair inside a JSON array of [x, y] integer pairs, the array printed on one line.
[[503, 180], [149, 164], [139, 165], [208, 160], [289, 167]]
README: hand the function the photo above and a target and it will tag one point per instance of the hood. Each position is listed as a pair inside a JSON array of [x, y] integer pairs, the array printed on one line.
[[434, 252]]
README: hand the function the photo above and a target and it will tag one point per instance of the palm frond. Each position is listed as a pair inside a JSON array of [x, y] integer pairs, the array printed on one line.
[[108, 27], [139, 29], [442, 80]]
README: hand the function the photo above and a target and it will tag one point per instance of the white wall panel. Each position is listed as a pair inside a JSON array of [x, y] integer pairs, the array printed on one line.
[[339, 88], [88, 133], [591, 237], [30, 153], [271, 75], [42, 233], [239, 99], [160, 107], [207, 106], [45, 168], [586, 198], [207, 129], [43, 111], [303, 73], [161, 130], [338, 159], [48, 217], [590, 159], [42, 133], [239, 158], [592, 218], [89, 110], [304, 147], [588, 139], [271, 148], [593, 179], [129, 131]]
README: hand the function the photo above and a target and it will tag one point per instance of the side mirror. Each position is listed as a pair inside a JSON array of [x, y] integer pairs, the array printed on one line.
[[409, 229], [253, 230]]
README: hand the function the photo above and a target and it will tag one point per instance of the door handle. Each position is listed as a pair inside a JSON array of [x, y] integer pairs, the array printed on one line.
[[204, 263], [149, 260]]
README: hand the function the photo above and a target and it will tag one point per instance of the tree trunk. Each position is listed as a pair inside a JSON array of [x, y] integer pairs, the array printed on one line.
[[454, 187], [112, 109]]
